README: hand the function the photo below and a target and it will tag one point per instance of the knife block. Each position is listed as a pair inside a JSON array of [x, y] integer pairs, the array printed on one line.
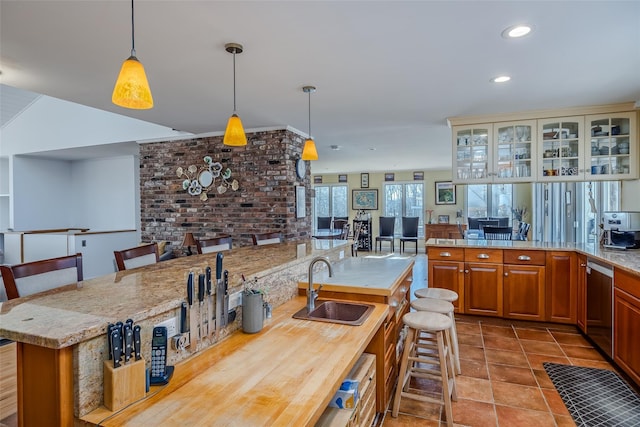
[[123, 385]]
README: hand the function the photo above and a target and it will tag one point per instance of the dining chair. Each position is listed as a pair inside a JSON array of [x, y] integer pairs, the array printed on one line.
[[339, 223], [488, 222], [345, 231], [139, 256], [387, 229], [357, 226], [523, 230], [409, 231], [266, 238], [497, 233], [324, 223], [215, 244], [33, 277]]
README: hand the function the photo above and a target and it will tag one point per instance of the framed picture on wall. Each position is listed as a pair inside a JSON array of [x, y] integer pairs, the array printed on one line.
[[364, 199], [445, 193], [342, 178], [389, 176], [301, 209], [317, 179], [418, 176], [364, 180], [443, 219]]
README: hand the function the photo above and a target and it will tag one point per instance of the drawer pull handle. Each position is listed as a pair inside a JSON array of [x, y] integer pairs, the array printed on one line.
[[445, 253], [466, 271], [483, 256], [524, 258]]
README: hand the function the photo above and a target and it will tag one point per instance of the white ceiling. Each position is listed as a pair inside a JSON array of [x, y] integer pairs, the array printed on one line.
[[388, 73]]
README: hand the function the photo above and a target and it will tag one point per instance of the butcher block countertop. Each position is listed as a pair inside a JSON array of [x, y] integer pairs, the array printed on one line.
[[628, 260], [284, 375], [76, 313], [364, 275]]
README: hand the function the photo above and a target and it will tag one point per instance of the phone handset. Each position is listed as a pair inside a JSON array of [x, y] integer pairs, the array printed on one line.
[[160, 372]]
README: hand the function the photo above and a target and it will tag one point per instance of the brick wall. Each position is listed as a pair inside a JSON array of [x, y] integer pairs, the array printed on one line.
[[264, 202]]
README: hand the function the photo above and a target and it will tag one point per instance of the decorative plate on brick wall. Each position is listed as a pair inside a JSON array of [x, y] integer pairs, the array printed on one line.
[[198, 181]]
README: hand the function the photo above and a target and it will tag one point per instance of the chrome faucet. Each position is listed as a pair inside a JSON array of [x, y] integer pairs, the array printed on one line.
[[311, 293]]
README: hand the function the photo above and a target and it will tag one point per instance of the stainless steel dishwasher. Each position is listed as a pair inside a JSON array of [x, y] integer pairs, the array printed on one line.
[[599, 305]]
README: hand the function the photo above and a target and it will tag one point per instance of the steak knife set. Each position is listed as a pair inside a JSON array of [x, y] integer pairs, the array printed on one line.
[[124, 342], [201, 313]]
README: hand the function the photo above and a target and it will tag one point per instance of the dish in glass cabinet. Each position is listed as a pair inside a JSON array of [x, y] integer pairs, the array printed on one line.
[[569, 170], [623, 151]]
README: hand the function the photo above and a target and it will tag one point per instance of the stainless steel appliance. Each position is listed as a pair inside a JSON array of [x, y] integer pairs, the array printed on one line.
[[622, 229], [599, 305]]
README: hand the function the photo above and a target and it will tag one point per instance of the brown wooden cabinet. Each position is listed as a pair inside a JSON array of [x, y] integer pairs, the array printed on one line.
[[443, 231], [561, 286], [483, 282], [446, 270], [581, 308], [626, 322], [523, 285]]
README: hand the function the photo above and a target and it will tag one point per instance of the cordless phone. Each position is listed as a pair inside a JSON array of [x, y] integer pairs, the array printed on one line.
[[160, 372]]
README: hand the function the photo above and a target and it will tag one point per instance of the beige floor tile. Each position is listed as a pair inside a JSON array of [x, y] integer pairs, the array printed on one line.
[[474, 389], [503, 357], [518, 396]]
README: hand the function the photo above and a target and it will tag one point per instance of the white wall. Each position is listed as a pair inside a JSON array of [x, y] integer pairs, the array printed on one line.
[[104, 193], [630, 197], [42, 194]]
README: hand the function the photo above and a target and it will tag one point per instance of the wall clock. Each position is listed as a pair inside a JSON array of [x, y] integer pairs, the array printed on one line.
[[301, 168]]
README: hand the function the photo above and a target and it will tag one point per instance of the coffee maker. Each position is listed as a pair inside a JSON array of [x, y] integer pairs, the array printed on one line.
[[622, 229]]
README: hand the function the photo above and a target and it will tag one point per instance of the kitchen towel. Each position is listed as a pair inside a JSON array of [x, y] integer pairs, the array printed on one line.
[[595, 397]]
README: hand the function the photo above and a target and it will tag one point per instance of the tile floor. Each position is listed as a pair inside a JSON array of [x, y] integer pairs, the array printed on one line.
[[503, 382]]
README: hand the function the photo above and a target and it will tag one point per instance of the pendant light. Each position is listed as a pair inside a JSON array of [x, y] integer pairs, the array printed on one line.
[[234, 135], [132, 88], [309, 151]]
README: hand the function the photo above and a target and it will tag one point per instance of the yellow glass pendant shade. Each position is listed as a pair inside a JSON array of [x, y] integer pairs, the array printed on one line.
[[309, 151], [234, 135], [132, 88]]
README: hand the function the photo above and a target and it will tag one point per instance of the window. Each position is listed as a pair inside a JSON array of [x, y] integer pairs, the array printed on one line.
[[488, 200], [404, 200], [330, 201]]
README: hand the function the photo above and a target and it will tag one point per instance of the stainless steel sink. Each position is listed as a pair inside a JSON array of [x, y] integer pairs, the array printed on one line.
[[346, 313]]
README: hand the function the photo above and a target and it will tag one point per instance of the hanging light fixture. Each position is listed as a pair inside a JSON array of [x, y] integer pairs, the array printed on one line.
[[309, 151], [132, 88], [234, 135]]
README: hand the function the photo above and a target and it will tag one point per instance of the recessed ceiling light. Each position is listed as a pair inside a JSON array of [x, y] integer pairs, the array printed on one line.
[[372, 149], [501, 79], [516, 31], [335, 147]]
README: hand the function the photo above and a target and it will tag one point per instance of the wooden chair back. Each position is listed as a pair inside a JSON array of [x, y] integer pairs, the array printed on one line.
[[19, 280], [266, 238], [215, 244], [139, 256]]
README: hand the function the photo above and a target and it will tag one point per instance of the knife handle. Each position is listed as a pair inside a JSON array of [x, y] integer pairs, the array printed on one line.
[[184, 325], [137, 342], [110, 328], [219, 257], [208, 277], [190, 288], [226, 281], [201, 278], [116, 346], [128, 342]]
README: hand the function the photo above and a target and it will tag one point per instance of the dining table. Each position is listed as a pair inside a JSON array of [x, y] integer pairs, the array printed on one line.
[[328, 234]]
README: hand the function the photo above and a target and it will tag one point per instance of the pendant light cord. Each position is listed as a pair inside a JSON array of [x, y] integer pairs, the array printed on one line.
[[234, 81], [309, 115], [133, 40]]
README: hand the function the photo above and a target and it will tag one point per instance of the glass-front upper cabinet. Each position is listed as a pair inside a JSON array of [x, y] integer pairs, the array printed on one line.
[[514, 151], [613, 150], [560, 149], [472, 153]]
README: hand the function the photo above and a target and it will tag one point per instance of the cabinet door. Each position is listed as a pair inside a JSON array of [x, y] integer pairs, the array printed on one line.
[[448, 275], [483, 289], [524, 292], [581, 309], [561, 287], [514, 151], [626, 352], [613, 149], [472, 153], [561, 149]]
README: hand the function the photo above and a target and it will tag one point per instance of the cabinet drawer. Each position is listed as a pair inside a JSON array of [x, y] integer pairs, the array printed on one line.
[[628, 282], [445, 254], [524, 257], [483, 255]]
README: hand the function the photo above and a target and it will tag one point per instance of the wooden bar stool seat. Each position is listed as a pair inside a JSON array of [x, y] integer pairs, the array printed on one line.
[[427, 357], [437, 293], [442, 307]]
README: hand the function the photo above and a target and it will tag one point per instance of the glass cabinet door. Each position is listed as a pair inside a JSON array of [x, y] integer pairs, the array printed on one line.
[[513, 160], [560, 149], [471, 150], [613, 150]]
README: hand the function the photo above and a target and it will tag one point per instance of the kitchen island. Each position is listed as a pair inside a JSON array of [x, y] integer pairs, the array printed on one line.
[[61, 334]]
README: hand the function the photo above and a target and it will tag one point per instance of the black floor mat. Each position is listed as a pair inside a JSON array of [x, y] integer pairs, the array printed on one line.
[[595, 397]]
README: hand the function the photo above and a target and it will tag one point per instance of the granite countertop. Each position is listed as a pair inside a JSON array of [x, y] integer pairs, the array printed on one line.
[[377, 275], [628, 260], [75, 313]]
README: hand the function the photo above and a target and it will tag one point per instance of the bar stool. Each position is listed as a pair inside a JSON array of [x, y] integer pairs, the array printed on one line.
[[437, 293], [417, 354], [442, 307]]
